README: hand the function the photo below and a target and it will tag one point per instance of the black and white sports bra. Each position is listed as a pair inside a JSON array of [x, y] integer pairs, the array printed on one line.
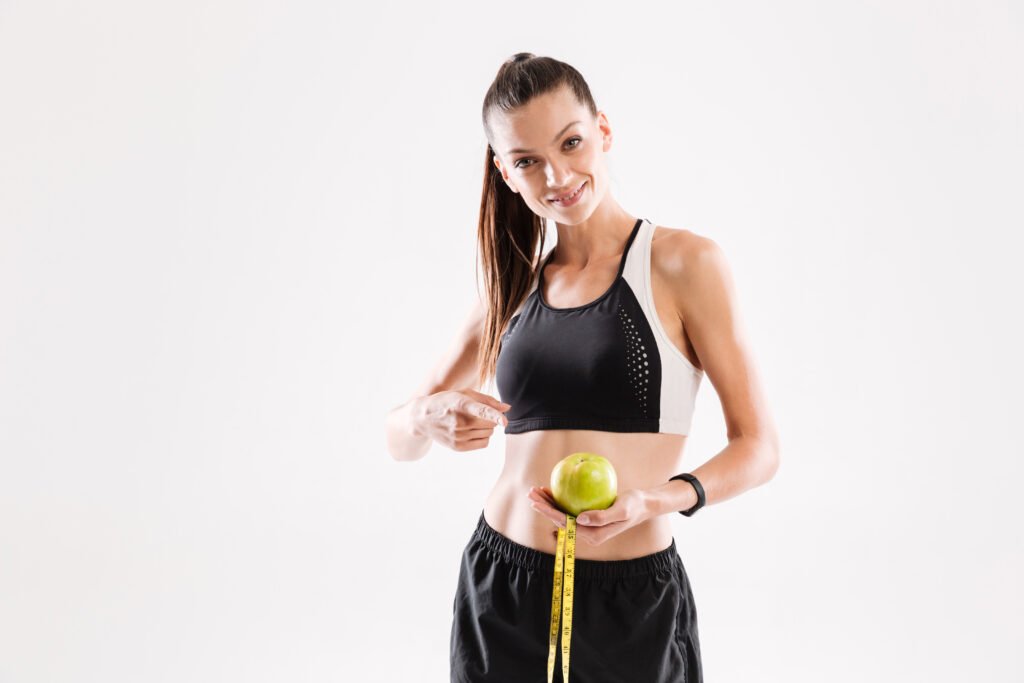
[[607, 365]]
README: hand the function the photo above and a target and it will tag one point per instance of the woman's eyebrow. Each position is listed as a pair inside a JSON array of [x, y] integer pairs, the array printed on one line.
[[560, 133]]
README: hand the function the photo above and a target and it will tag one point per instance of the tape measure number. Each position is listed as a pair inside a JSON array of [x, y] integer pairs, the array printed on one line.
[[561, 596]]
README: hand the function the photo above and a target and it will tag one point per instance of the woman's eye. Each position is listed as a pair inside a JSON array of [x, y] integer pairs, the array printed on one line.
[[577, 139]]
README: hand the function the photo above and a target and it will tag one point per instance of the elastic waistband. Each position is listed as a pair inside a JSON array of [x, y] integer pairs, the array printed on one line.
[[531, 558]]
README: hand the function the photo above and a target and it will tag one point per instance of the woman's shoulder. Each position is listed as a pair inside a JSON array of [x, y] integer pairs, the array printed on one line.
[[674, 249], [691, 267]]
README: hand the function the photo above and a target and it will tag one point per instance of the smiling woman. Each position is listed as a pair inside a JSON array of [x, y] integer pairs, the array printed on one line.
[[598, 346]]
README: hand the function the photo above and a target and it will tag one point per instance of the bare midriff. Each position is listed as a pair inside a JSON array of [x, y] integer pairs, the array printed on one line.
[[641, 460]]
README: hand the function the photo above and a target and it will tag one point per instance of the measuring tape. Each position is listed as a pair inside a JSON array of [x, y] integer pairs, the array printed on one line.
[[561, 597]]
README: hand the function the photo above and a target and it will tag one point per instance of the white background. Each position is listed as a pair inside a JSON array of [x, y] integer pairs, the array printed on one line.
[[233, 235]]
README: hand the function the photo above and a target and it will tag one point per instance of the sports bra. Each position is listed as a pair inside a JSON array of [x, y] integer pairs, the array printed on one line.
[[607, 365]]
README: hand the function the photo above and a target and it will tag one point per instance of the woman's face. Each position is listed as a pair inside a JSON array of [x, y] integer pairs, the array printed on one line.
[[549, 148]]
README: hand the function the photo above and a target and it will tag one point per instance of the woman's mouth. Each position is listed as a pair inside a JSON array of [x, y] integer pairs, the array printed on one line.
[[572, 198]]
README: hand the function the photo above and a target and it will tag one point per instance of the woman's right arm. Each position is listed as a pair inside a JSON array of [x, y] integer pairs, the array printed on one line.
[[404, 438], [435, 410]]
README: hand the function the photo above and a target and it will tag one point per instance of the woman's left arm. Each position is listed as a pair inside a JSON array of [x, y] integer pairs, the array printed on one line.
[[705, 297]]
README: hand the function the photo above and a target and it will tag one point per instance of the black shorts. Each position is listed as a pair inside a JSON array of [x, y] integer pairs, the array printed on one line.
[[634, 621]]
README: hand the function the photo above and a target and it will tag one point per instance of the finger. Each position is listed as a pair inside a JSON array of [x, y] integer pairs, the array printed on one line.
[[485, 412], [489, 400], [472, 444], [603, 517], [476, 422], [485, 430], [541, 499], [589, 518], [542, 502], [598, 518], [545, 492], [556, 516], [556, 519]]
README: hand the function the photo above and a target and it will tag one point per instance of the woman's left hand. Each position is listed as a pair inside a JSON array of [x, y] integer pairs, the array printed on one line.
[[597, 526]]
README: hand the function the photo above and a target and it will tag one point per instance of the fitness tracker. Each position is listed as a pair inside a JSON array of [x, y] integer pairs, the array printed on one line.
[[700, 492]]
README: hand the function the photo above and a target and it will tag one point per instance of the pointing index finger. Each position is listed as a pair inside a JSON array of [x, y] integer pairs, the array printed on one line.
[[490, 414]]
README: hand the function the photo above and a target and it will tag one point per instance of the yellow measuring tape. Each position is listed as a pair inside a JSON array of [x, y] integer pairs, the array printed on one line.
[[561, 596]]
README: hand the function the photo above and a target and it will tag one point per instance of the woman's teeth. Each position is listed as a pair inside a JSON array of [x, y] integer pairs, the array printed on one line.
[[572, 196]]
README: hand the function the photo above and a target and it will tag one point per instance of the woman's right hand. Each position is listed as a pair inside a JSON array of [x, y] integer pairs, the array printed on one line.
[[461, 419]]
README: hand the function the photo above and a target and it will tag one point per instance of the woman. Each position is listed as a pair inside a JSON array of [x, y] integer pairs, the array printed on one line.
[[599, 346]]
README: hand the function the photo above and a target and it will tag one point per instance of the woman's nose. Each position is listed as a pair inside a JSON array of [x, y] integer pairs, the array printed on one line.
[[557, 176]]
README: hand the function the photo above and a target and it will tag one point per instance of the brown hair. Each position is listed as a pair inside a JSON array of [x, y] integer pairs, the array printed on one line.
[[510, 235]]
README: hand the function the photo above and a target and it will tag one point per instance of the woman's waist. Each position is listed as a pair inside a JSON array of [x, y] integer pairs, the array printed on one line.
[[601, 567], [637, 465], [509, 511]]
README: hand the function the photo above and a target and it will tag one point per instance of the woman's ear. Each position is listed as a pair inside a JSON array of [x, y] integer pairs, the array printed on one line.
[[606, 131]]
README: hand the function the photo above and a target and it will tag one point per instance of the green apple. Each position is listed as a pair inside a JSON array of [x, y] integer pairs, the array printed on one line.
[[583, 481]]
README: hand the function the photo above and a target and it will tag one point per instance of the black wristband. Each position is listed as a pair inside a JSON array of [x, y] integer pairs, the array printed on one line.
[[700, 492]]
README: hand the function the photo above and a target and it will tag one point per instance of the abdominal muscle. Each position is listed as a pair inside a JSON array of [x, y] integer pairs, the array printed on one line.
[[641, 460]]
